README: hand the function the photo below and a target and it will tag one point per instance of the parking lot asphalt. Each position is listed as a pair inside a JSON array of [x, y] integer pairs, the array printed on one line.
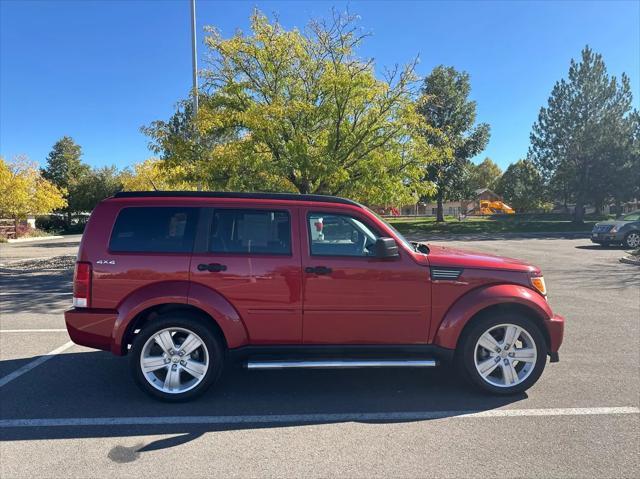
[[78, 413]]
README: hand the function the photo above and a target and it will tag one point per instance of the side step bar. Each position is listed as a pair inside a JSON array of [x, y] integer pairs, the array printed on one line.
[[341, 364]]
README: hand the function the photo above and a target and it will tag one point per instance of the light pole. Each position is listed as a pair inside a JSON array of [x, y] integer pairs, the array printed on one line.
[[194, 58], [194, 67]]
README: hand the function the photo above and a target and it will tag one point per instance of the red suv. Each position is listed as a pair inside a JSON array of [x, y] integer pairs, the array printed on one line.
[[184, 282]]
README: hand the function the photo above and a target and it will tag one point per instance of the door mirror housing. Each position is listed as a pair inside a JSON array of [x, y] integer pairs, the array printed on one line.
[[386, 248]]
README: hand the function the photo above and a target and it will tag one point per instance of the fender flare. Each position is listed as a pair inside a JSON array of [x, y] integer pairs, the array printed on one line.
[[182, 292], [226, 316], [466, 307]]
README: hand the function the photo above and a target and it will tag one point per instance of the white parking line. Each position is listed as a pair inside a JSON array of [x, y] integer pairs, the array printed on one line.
[[33, 364], [33, 330], [313, 418], [51, 293]]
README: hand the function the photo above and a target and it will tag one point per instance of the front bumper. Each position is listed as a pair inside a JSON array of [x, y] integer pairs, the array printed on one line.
[[605, 238], [91, 327], [555, 329]]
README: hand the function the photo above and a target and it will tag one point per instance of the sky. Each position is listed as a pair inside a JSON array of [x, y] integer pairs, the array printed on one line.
[[99, 70]]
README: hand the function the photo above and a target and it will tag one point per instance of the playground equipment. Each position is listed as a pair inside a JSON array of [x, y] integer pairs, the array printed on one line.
[[495, 208]]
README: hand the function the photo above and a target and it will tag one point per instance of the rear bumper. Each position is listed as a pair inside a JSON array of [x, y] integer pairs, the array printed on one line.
[[91, 327], [555, 328]]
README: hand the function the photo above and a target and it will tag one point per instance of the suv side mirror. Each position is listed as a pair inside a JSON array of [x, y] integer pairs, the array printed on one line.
[[386, 248]]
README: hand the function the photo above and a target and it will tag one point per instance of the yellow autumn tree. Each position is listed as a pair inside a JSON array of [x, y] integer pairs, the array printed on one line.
[[24, 192], [154, 175]]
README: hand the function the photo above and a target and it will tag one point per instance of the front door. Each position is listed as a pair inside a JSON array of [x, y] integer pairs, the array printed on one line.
[[251, 256], [351, 297]]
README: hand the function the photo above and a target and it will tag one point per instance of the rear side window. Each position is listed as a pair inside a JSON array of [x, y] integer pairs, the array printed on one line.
[[250, 232], [154, 230]]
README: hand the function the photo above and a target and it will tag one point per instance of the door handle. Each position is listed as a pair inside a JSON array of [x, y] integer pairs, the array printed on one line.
[[318, 270], [212, 267]]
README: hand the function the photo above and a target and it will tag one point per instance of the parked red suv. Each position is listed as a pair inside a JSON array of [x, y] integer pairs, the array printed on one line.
[[183, 282]]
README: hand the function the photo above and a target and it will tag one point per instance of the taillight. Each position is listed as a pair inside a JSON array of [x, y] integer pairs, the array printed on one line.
[[82, 285]]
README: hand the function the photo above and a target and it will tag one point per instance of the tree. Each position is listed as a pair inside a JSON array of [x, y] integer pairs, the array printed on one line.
[[297, 110], [63, 163], [66, 171], [24, 192], [483, 175], [585, 133], [446, 108], [522, 187], [154, 175], [93, 186]]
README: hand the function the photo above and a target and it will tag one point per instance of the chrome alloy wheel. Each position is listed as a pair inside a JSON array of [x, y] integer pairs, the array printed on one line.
[[633, 240], [174, 360], [505, 355]]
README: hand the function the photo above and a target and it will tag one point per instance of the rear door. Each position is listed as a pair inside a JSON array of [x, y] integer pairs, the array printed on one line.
[[352, 297], [251, 256]]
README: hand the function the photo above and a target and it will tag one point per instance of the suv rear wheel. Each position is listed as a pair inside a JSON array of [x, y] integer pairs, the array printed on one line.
[[176, 358], [503, 354]]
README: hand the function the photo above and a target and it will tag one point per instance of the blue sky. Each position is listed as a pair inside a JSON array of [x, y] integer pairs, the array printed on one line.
[[98, 70]]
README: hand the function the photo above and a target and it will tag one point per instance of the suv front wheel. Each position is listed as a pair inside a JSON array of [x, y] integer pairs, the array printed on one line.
[[176, 358], [632, 240], [503, 354]]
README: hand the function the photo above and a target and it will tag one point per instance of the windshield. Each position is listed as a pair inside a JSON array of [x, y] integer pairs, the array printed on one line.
[[632, 217], [397, 233]]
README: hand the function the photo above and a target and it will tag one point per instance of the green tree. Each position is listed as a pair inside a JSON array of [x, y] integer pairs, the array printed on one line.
[[483, 175], [585, 133], [181, 146], [66, 170], [522, 187], [94, 186], [298, 110], [23, 191], [446, 108]]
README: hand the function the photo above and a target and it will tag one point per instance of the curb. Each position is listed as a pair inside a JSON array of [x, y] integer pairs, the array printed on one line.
[[30, 240], [630, 260], [499, 236]]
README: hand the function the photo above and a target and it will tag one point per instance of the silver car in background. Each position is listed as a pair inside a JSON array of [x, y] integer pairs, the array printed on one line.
[[624, 230]]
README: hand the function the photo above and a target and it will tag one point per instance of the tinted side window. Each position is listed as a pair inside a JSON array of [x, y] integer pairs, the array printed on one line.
[[250, 232], [154, 230], [340, 235]]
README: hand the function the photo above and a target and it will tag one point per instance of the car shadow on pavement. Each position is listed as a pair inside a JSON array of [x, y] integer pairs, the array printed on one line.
[[98, 385], [600, 247]]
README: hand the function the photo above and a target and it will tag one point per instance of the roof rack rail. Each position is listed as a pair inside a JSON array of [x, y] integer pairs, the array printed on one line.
[[228, 194]]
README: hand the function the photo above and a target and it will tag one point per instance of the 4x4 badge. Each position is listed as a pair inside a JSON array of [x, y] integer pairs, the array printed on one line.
[[106, 261]]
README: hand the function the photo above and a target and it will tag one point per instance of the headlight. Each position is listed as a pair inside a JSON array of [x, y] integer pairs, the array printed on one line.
[[613, 230], [538, 283]]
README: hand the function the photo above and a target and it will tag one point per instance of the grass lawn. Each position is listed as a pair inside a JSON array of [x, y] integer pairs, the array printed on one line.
[[492, 224]]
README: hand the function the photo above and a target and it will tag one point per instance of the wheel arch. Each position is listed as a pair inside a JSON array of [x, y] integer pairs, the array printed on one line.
[[505, 308], [147, 303], [143, 318], [480, 302]]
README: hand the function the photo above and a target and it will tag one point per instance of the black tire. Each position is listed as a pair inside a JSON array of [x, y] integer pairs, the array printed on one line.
[[192, 323], [465, 354], [627, 239]]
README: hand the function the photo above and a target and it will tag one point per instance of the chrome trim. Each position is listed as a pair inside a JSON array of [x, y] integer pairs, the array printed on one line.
[[340, 364]]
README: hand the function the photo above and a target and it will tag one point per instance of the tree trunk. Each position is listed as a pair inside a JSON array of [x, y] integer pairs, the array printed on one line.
[[578, 213], [439, 210]]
